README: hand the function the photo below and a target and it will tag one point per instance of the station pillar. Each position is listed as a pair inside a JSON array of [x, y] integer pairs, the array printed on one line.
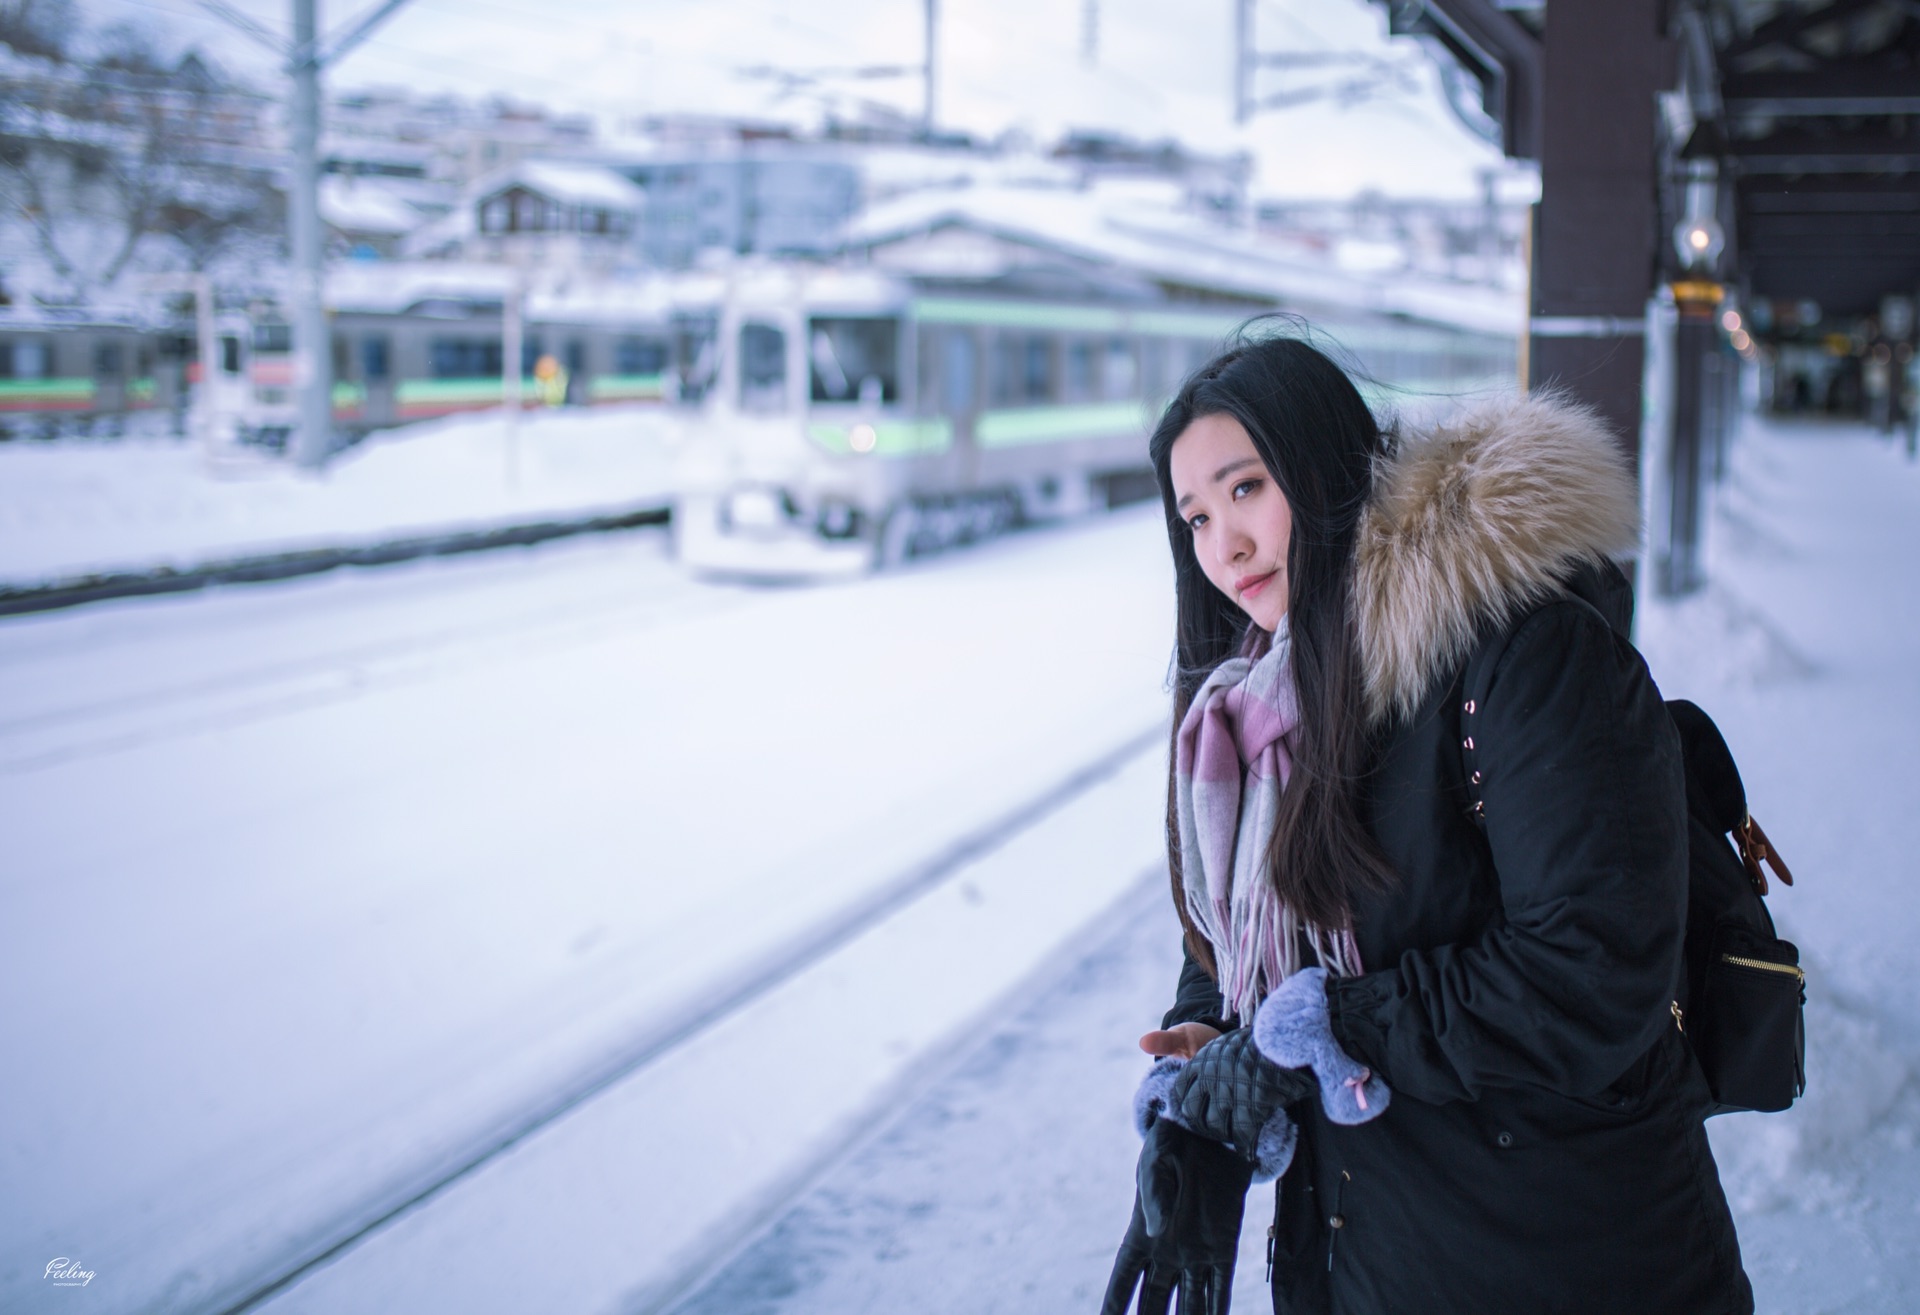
[[1694, 423], [1594, 232]]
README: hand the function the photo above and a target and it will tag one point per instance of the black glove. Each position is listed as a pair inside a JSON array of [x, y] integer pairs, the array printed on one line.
[[1232, 1093], [1185, 1231]]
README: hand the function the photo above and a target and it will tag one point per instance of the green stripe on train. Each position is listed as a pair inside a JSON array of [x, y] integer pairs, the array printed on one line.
[[1074, 319], [891, 438], [1054, 424], [46, 390], [442, 391], [627, 387]]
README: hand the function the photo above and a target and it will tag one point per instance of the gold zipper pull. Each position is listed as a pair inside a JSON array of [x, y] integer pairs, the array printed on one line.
[[1764, 965], [1679, 1018]]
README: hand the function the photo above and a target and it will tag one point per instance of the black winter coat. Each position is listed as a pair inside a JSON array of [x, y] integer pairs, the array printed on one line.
[[1545, 1151]]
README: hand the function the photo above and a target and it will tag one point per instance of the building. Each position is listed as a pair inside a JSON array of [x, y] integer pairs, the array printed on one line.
[[541, 212]]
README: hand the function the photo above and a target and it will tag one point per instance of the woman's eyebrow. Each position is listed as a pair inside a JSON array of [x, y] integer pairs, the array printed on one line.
[[1219, 475]]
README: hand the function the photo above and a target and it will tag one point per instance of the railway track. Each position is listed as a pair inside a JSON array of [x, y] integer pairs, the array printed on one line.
[[701, 1012], [224, 693]]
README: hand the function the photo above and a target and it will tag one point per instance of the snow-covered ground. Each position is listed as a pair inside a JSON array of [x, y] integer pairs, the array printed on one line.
[[310, 888], [145, 501], [1806, 650]]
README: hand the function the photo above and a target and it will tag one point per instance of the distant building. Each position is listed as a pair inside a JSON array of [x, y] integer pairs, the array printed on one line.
[[541, 213], [773, 198], [720, 187]]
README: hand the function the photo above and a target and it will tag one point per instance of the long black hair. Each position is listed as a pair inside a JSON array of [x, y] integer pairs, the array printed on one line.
[[1320, 443]]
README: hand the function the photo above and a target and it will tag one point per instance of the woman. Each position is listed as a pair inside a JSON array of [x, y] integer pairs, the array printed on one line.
[[1507, 1118]]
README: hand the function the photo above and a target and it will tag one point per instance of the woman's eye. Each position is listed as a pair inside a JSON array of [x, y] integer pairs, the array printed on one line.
[[1195, 522], [1244, 487]]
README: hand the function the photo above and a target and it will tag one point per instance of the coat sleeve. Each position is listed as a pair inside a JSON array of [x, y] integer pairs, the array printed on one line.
[[1197, 999], [1586, 823]]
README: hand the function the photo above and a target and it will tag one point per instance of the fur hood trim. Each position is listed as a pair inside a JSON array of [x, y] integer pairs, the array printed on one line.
[[1473, 521]]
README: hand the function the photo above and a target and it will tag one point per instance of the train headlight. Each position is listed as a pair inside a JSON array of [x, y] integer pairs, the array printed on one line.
[[754, 509], [862, 438]]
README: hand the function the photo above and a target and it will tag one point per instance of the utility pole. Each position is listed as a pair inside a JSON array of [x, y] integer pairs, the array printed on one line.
[[206, 347], [926, 117], [1090, 32], [312, 347], [512, 336], [1242, 58], [312, 352]]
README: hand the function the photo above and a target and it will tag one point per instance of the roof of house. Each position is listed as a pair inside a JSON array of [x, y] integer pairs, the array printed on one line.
[[572, 184]]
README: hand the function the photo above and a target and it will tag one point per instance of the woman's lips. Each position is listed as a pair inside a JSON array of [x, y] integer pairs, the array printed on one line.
[[1249, 585]]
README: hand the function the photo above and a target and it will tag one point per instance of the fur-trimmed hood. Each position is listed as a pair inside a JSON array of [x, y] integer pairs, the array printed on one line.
[[1471, 522]]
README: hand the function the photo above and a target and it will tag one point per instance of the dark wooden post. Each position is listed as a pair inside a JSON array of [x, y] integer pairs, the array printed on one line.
[[1595, 240]]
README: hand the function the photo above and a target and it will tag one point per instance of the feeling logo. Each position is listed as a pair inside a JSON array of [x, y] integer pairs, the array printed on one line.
[[67, 1273]]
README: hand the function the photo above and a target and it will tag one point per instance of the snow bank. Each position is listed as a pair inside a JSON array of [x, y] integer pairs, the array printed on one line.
[[1806, 650], [73, 508]]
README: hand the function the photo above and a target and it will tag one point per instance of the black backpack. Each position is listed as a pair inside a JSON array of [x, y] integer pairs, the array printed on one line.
[[1741, 995]]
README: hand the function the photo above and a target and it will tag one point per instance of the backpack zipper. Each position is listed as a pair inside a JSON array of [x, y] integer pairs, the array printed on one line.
[[1765, 965]]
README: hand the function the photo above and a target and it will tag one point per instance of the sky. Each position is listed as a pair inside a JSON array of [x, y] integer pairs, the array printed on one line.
[[1156, 70]]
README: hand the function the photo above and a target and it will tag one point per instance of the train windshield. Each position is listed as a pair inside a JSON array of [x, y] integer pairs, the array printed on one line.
[[763, 367], [854, 359]]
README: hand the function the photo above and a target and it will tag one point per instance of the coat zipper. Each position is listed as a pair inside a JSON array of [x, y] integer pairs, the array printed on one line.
[[1337, 1221], [1764, 965]]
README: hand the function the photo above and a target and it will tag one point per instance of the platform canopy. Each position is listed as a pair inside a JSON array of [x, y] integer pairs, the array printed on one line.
[[1810, 109]]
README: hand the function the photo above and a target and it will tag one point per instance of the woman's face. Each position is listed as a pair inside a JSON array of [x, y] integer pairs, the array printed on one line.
[[1239, 519]]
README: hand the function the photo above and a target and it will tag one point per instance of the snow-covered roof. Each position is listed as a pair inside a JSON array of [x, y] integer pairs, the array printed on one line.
[[393, 287], [1127, 231], [573, 184], [355, 205]]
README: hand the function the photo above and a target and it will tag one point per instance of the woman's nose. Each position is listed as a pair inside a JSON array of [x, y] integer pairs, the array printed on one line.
[[1233, 545]]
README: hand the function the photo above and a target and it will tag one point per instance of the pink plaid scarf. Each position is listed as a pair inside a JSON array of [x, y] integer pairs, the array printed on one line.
[[1230, 764]]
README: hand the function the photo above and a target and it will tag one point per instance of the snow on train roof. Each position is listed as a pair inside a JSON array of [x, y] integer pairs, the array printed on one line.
[[1125, 230], [397, 287]]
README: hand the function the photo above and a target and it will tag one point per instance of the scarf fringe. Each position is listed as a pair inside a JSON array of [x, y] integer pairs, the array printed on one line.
[[1226, 825]]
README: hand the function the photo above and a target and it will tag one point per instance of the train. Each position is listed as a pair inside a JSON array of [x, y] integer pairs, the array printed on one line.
[[82, 372], [860, 417], [834, 416]]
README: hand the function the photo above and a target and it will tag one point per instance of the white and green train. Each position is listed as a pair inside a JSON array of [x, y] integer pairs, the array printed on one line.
[[858, 417]]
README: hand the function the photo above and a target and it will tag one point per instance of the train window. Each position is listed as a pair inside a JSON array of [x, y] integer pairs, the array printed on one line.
[[273, 337], [1118, 374], [763, 367], [376, 357], [229, 355], [960, 370], [342, 357], [1077, 379], [464, 358], [1022, 369], [640, 356], [28, 359], [107, 360], [854, 359]]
